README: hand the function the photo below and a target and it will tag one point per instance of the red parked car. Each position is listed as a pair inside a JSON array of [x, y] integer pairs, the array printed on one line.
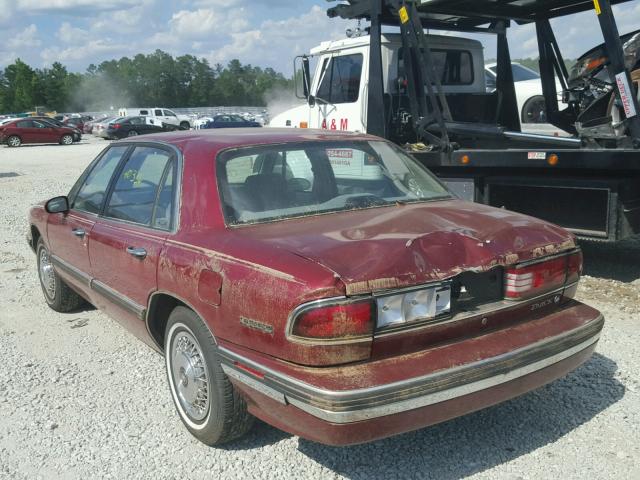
[[26, 130], [325, 283]]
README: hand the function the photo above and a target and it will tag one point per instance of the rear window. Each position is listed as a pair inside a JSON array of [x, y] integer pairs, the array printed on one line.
[[453, 67], [268, 183]]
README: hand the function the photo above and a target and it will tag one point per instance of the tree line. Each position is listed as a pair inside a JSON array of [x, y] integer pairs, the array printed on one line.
[[156, 79]]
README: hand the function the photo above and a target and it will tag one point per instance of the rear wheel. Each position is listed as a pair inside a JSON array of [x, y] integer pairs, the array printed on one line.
[[14, 141], [208, 404], [66, 140], [132, 133], [58, 295]]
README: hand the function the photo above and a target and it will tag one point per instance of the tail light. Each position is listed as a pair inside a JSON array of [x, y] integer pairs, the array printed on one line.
[[116, 126], [531, 280], [345, 321]]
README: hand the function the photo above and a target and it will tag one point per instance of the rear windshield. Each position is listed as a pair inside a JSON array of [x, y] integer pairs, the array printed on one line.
[[268, 183]]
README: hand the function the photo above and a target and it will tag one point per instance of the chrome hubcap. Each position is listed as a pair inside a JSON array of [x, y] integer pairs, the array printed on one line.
[[14, 142], [67, 140], [190, 376], [47, 275]]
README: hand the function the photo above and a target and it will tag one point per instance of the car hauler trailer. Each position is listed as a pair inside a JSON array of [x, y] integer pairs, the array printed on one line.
[[588, 183]]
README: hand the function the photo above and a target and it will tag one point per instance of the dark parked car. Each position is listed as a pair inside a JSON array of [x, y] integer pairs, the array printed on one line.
[[26, 130], [133, 126], [77, 134], [323, 282], [77, 122], [230, 121]]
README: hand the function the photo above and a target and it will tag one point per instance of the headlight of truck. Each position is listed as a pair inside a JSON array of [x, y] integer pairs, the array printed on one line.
[[422, 304]]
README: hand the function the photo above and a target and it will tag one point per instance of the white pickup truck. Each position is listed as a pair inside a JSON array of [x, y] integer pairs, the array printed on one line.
[[163, 114], [339, 86]]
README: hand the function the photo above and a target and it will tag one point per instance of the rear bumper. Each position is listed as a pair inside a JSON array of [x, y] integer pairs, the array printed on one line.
[[359, 415]]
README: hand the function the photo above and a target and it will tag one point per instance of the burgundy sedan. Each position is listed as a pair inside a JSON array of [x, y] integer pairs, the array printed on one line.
[[26, 130], [325, 283]]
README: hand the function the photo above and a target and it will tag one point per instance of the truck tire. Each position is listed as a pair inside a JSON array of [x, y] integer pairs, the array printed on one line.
[[213, 411]]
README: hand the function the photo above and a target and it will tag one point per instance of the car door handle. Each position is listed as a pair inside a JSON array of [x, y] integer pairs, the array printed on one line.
[[137, 252], [79, 232]]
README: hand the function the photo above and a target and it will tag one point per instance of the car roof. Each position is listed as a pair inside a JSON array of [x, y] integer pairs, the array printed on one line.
[[221, 138]]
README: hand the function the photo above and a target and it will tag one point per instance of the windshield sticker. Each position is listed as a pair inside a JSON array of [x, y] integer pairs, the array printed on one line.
[[626, 95]]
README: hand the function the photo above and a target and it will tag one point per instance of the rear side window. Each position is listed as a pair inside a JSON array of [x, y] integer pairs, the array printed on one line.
[[90, 196], [137, 186], [341, 80], [25, 124]]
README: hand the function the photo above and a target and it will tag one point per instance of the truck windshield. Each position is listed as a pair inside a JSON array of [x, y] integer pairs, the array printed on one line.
[[268, 183]]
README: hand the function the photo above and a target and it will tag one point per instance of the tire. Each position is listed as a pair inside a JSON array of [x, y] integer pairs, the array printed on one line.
[[58, 295], [132, 133], [66, 140], [185, 125], [534, 110], [14, 141], [213, 411]]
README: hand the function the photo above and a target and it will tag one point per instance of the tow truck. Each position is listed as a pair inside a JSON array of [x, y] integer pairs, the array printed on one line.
[[410, 89]]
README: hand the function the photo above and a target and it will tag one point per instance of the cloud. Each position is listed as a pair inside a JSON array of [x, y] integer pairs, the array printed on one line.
[[276, 42], [69, 34], [28, 38], [73, 7]]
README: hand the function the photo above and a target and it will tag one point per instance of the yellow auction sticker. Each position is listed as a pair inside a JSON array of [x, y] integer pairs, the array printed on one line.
[[404, 15], [596, 5]]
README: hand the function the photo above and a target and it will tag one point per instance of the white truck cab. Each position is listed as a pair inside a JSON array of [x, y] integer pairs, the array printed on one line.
[[338, 89], [163, 114]]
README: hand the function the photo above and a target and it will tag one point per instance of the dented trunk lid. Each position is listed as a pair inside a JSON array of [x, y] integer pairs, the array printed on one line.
[[381, 248]]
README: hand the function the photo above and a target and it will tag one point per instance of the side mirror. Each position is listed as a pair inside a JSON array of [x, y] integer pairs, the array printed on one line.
[[304, 74], [57, 205], [312, 101]]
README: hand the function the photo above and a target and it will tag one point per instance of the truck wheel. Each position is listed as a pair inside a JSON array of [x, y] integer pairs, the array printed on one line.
[[185, 125], [58, 295], [14, 141], [534, 110], [208, 404], [66, 140]]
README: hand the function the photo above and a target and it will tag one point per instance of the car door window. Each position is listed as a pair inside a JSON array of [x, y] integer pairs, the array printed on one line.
[[92, 192], [137, 121], [169, 113], [25, 124], [341, 81], [158, 113], [37, 124], [136, 188]]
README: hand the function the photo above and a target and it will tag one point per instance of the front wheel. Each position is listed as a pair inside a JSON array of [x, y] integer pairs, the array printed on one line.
[[14, 141], [58, 295], [66, 140], [534, 110], [208, 404], [185, 125]]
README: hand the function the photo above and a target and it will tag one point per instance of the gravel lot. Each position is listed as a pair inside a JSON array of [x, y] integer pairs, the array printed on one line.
[[81, 398]]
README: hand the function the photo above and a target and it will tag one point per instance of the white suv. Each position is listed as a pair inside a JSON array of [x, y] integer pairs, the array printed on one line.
[[163, 114]]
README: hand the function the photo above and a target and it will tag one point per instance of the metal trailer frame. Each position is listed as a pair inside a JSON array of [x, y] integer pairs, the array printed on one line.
[[572, 171]]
